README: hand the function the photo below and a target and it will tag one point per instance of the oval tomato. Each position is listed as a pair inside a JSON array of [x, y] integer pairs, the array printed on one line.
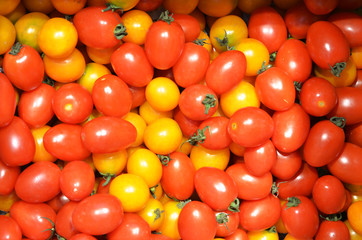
[[332, 230], [239, 234], [286, 165], [82, 236], [132, 227], [9, 229], [7, 100], [188, 126], [354, 134], [8, 178], [189, 25], [63, 220], [228, 222]]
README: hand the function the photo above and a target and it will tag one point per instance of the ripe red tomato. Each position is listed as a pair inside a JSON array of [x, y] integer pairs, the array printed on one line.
[[228, 222], [8, 177], [63, 220], [188, 126], [7, 101], [17, 146], [189, 25], [333, 230], [354, 134], [320, 7], [239, 234], [9, 229], [82, 236], [286, 165], [132, 227]]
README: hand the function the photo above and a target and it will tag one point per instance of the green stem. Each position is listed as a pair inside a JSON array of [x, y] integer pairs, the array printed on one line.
[[52, 230], [209, 102], [120, 31], [275, 188], [223, 218], [234, 205], [158, 213], [293, 202], [112, 7], [338, 68], [200, 42], [338, 121], [182, 204], [272, 56], [107, 177], [264, 67], [223, 42], [153, 191], [166, 17], [164, 159], [199, 136], [15, 49]]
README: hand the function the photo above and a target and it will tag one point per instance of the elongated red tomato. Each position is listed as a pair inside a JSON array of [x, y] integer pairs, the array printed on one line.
[[127, 61], [8, 177], [7, 101], [226, 71], [17, 146], [188, 126], [164, 42], [330, 229], [108, 134], [9, 229], [228, 222], [64, 142], [259, 160]]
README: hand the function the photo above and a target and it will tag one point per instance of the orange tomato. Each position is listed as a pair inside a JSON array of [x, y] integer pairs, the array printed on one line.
[[357, 56], [41, 154], [140, 125], [203, 157], [68, 7], [169, 226], [110, 163], [137, 23], [7, 6], [236, 149], [248, 6], [200, 18], [17, 13], [354, 216], [43, 6], [124, 5], [352, 233], [180, 6], [6, 201], [149, 114], [92, 72], [7, 34], [203, 37], [217, 8]]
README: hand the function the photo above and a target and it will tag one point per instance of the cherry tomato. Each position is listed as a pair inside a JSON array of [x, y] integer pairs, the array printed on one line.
[[189, 25], [319, 7], [140, 125], [8, 34], [188, 126], [267, 234], [354, 134], [137, 23], [216, 8], [353, 215], [203, 157], [228, 222], [7, 100], [68, 7], [9, 229], [8, 6], [92, 72], [153, 213], [82, 236], [286, 165], [63, 220], [8, 178], [330, 229], [38, 6], [132, 227], [150, 114], [239, 234]]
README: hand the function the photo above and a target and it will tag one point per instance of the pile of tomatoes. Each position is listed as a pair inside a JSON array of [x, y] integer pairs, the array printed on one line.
[[173, 119]]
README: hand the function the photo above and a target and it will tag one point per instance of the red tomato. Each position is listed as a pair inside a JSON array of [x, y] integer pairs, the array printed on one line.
[[250, 127], [324, 143], [97, 28], [300, 217], [191, 65], [257, 215], [138, 96], [17, 146], [35, 107], [64, 142], [239, 234], [215, 188], [226, 71], [82, 236], [158, 236], [354, 134], [7, 101], [188, 126], [291, 128], [164, 42], [8, 177], [179, 167], [249, 186], [193, 215], [108, 134], [39, 182], [32, 219], [24, 67], [58, 201], [189, 25], [286, 165], [9, 229], [329, 194], [111, 96], [346, 167], [228, 222], [267, 26], [127, 61], [63, 220], [333, 230], [132, 227], [320, 7], [92, 212], [77, 180]]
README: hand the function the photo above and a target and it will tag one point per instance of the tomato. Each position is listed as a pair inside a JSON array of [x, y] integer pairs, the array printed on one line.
[[17, 146], [216, 8], [286, 165], [331, 229], [275, 89], [179, 6], [108, 91], [7, 100], [8, 34], [354, 134], [300, 184], [68, 7], [257, 215], [8, 177], [38, 6], [63, 220], [137, 23], [110, 164], [140, 124], [250, 127], [153, 213], [354, 216], [82, 236], [58, 201], [124, 5], [138, 96], [239, 234], [92, 211], [126, 62], [352, 233], [346, 165], [8, 6], [259, 160], [265, 235], [132, 227], [9, 229], [59, 32], [116, 134], [356, 56], [203, 157], [189, 25], [188, 126], [193, 215], [317, 96], [319, 7], [32, 219], [228, 222], [347, 105], [150, 114]]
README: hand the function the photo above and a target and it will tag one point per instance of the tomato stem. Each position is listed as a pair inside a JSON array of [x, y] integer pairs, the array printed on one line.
[[107, 177], [275, 188], [293, 202], [120, 31], [15, 49], [166, 17], [333, 217], [3, 212], [153, 190], [264, 67], [234, 205], [113, 7], [223, 218], [272, 56], [52, 230], [164, 159], [223, 42], [200, 42], [338, 68], [209, 102], [338, 121], [199, 136], [182, 204], [158, 213]]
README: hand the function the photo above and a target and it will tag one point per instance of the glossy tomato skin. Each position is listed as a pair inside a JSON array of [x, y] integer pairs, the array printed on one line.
[[250, 127], [216, 133], [354, 134], [193, 215], [228, 224], [63, 221], [291, 128], [7, 101], [90, 214], [328, 48], [25, 69], [332, 230], [126, 62], [39, 182], [239, 234], [188, 126], [189, 25], [164, 44], [17, 146], [70, 146], [286, 165], [35, 107], [132, 227], [82, 236], [8, 177], [319, 7], [117, 134], [226, 71], [9, 229], [347, 165]]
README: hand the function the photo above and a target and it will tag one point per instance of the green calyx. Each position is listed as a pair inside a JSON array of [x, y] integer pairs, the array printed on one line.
[[199, 136], [153, 191], [166, 17], [338, 121], [182, 204], [234, 205], [224, 41], [157, 213], [293, 202], [209, 102], [107, 177], [272, 56], [15, 49], [223, 218], [120, 31], [200, 42], [337, 69], [164, 159], [112, 7], [264, 67]]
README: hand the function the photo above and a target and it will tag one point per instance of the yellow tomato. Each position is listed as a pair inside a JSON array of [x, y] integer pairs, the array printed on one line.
[[352, 233], [290, 237], [236, 149], [140, 125], [44, 6], [28, 28], [169, 226], [94, 113], [131, 150], [18, 12], [279, 225], [263, 235], [347, 77], [184, 147], [241, 96], [137, 23], [357, 56], [66, 69], [7, 6], [354, 215], [41, 154], [124, 5], [162, 94], [203, 157], [180, 6], [153, 213], [7, 34], [110, 163], [150, 114], [163, 136], [147, 165], [227, 31], [92, 72], [248, 6], [206, 41], [165, 199], [256, 54], [101, 55], [131, 190], [6, 201]]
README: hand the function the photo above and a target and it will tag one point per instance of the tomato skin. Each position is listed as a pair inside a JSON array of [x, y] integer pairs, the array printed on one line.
[[17, 146], [188, 126], [117, 134], [250, 127], [354, 134], [319, 7], [37, 115], [70, 146], [7, 100], [164, 44], [8, 177], [63, 220], [257, 215], [132, 227], [286, 165], [275, 89], [9, 229], [305, 213], [332, 230], [193, 215], [189, 25], [354, 216], [346, 166], [82, 236], [28, 61], [126, 62], [239, 234], [227, 228]]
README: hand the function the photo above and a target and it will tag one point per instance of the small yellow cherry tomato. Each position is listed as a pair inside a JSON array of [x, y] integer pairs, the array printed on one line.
[[41, 154], [149, 114], [7, 34], [92, 72], [110, 163], [263, 235], [18, 12], [140, 125], [203, 157], [137, 23], [169, 226], [153, 213]]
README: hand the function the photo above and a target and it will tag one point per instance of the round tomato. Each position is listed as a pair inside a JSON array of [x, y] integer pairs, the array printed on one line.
[[354, 134], [239, 234], [215, 8], [228, 222], [8, 178], [82, 236], [7, 100], [92, 72], [68, 7], [189, 25], [286, 165], [179, 6], [9, 229], [137, 23], [169, 226], [354, 216], [150, 114], [132, 227], [330, 229], [268, 234], [203, 157], [38, 6], [8, 34], [153, 213], [110, 164]]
